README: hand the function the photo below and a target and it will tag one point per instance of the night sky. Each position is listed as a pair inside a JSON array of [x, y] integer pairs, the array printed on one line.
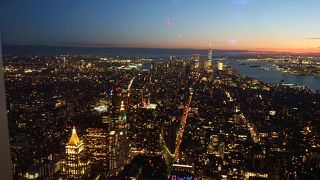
[[276, 25]]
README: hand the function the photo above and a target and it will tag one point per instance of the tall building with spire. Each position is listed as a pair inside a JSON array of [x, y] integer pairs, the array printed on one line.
[[208, 63], [118, 142], [76, 164], [122, 113], [210, 53], [122, 127]]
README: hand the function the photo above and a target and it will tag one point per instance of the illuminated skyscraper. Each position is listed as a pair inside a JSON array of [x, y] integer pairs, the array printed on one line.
[[122, 135], [97, 147], [208, 63], [112, 150], [5, 162], [220, 66], [64, 62], [214, 144], [210, 53], [196, 61], [118, 142], [76, 165], [122, 114]]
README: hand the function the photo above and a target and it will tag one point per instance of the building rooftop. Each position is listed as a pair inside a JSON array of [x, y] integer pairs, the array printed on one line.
[[74, 140]]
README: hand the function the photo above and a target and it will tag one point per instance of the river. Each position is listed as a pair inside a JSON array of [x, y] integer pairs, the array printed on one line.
[[272, 76]]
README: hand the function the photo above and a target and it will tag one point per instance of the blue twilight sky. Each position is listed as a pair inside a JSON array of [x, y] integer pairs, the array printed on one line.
[[229, 24]]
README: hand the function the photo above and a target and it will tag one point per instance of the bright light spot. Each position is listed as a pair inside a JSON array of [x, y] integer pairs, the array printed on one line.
[[243, 2], [102, 108], [169, 21], [232, 42]]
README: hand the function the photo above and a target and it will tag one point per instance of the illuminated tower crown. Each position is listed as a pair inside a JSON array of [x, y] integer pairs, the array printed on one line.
[[122, 114], [75, 164], [74, 140], [210, 53]]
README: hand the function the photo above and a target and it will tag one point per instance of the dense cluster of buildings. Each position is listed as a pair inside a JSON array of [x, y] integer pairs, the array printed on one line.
[[178, 117]]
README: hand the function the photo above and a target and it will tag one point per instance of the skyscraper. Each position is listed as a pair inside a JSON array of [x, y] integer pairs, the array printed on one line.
[[210, 53], [196, 61], [64, 62], [220, 66], [76, 165], [5, 161], [97, 147], [122, 114], [208, 63], [112, 150], [122, 135], [118, 142]]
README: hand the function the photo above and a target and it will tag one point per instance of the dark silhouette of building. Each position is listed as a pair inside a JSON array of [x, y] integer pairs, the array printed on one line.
[[5, 162]]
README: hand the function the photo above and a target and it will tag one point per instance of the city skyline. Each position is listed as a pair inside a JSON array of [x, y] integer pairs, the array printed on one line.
[[286, 26], [170, 89]]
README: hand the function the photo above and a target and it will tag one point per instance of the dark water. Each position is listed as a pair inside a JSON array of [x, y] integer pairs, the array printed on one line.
[[19, 50], [273, 76]]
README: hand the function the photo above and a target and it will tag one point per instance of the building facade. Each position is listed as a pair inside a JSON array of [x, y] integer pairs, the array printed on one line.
[[6, 164], [97, 148], [118, 145], [76, 165], [208, 63]]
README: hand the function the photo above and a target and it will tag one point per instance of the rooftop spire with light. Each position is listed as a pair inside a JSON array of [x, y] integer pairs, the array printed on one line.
[[74, 140], [122, 114], [122, 106], [209, 55]]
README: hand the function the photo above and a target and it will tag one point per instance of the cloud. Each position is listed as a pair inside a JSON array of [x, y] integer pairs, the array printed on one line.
[[87, 44], [313, 38]]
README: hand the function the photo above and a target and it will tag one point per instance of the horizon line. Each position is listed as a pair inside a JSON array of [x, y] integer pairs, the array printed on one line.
[[248, 51]]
